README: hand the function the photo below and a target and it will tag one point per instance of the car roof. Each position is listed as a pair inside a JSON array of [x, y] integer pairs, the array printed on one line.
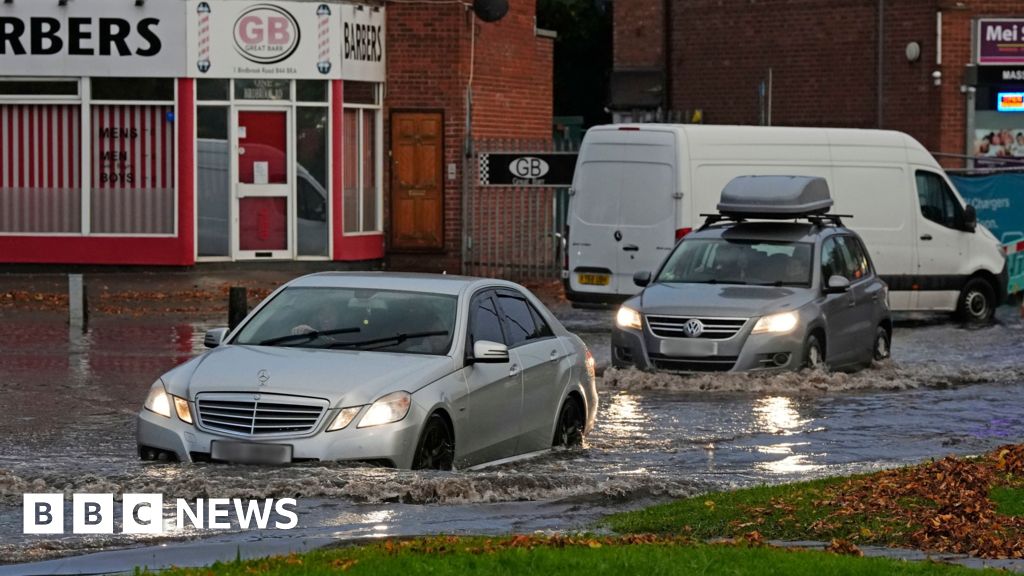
[[406, 281], [768, 231]]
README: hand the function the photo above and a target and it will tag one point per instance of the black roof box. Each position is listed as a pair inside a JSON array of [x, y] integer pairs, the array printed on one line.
[[779, 197]]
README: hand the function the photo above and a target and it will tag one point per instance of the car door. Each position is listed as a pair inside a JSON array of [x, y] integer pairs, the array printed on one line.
[[545, 368], [867, 291], [840, 308], [495, 390]]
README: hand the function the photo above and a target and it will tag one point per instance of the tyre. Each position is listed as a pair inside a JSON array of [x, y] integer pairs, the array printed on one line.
[[814, 353], [569, 431], [882, 347], [436, 450], [977, 303]]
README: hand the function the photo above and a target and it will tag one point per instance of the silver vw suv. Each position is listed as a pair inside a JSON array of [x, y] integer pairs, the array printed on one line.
[[771, 282]]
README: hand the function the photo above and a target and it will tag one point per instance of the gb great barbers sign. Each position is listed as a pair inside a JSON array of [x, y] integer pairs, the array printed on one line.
[[1001, 41], [244, 39], [92, 38]]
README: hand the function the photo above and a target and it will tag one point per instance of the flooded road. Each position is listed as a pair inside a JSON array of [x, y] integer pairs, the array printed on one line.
[[69, 401]]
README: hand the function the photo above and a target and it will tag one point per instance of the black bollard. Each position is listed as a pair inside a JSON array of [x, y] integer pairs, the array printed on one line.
[[238, 305]]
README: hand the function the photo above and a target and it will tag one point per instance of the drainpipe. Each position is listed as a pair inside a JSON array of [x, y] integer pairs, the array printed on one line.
[[881, 60], [666, 56]]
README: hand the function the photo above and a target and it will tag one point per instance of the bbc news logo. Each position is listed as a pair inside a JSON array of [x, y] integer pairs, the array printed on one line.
[[144, 514]]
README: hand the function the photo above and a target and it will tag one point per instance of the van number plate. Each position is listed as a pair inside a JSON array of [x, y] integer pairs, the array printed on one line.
[[594, 279]]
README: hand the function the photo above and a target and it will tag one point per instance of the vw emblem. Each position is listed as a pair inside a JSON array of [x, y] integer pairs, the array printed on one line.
[[693, 328], [263, 377]]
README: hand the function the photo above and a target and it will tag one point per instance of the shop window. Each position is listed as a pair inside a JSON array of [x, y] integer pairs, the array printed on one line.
[[311, 90], [213, 179], [312, 185], [39, 88], [216, 90], [274, 90], [133, 89], [362, 154], [132, 169], [40, 169]]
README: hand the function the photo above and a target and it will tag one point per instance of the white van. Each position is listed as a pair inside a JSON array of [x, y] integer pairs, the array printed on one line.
[[640, 188]]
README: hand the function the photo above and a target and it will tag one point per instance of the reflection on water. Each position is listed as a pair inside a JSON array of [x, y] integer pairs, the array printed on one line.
[[777, 415], [623, 416]]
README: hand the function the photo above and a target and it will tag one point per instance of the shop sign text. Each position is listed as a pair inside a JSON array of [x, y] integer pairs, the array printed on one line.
[[266, 34]]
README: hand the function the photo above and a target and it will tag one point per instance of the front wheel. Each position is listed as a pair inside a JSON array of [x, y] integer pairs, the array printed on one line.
[[435, 450], [977, 303], [883, 343], [569, 432], [814, 353]]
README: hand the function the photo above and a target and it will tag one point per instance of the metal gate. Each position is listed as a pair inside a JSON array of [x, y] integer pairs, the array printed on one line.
[[515, 233]]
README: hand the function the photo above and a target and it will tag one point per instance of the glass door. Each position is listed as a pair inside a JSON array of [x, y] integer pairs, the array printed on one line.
[[264, 180]]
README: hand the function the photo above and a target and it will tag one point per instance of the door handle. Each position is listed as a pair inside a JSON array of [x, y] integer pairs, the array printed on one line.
[[554, 355], [631, 248], [514, 370], [926, 236]]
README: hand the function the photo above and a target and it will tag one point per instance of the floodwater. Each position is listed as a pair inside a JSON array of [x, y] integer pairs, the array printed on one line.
[[68, 401]]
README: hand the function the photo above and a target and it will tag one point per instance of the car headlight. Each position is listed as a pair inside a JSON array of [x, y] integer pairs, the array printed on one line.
[[776, 323], [344, 418], [390, 408], [159, 402], [628, 318]]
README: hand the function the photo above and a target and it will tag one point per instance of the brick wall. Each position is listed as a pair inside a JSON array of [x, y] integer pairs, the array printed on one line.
[[638, 34], [428, 67]]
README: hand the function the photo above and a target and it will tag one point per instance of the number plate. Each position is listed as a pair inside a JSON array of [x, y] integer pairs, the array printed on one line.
[[594, 279], [689, 347], [251, 453]]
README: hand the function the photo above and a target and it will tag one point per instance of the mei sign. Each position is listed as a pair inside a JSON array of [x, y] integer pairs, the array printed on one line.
[[92, 38], [1000, 41]]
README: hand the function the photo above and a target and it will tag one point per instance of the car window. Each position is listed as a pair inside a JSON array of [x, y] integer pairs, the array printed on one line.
[[519, 320], [543, 329], [938, 203], [858, 265], [834, 261], [484, 323], [716, 260]]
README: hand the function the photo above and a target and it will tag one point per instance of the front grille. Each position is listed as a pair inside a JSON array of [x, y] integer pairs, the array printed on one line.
[[714, 328], [688, 364], [259, 414]]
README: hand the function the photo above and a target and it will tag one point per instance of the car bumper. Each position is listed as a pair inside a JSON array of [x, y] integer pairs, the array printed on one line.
[[741, 353], [394, 444]]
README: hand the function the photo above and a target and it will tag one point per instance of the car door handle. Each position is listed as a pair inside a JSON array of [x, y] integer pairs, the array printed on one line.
[[926, 236], [554, 355], [513, 370], [631, 248]]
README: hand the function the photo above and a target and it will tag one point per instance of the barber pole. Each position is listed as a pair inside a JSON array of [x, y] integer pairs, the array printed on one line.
[[203, 11], [324, 38]]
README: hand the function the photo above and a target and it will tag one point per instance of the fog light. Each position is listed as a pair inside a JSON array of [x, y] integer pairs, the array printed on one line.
[[780, 359]]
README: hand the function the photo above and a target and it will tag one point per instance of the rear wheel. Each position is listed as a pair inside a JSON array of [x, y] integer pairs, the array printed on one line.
[[570, 424], [814, 353], [436, 448], [977, 302], [883, 342]]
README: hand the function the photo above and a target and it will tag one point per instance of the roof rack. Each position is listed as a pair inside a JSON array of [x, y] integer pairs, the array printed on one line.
[[819, 220]]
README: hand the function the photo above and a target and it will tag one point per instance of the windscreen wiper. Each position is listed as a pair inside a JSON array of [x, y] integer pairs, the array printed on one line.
[[396, 339], [308, 336]]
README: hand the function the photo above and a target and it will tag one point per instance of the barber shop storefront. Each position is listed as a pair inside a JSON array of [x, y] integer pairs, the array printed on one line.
[[176, 132]]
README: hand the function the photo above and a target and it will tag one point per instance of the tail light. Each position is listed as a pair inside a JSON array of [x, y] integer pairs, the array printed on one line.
[[591, 365], [565, 250], [682, 232]]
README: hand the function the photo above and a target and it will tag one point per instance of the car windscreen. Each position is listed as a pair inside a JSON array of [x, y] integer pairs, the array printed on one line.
[[355, 319], [721, 261]]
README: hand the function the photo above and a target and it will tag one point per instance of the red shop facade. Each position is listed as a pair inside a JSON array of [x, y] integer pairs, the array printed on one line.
[[176, 132]]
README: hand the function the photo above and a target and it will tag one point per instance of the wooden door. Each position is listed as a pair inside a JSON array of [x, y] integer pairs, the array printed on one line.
[[417, 187]]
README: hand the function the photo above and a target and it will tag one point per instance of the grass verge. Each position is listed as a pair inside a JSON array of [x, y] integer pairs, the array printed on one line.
[[963, 505], [523, 555]]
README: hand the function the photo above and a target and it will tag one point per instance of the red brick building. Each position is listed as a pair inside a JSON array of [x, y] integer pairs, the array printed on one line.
[[171, 133], [908, 65]]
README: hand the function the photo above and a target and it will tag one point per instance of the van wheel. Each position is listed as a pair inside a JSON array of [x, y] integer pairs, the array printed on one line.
[[883, 342], [814, 353], [977, 302]]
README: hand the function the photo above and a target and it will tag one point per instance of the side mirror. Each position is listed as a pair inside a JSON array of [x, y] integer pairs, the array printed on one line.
[[970, 219], [837, 284], [642, 278], [487, 352], [215, 337]]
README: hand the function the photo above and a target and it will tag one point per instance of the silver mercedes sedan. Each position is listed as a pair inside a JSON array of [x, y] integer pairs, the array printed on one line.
[[404, 370]]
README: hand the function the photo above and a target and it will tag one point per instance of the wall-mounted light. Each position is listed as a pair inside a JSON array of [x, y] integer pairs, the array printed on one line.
[[913, 52]]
